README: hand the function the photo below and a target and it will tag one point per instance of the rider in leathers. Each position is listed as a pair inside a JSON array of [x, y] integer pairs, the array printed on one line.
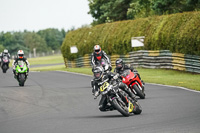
[[97, 55], [4, 53], [99, 77], [20, 56]]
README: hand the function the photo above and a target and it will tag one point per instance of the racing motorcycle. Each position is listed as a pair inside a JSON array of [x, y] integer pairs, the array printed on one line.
[[119, 99], [21, 72], [5, 64], [133, 82]]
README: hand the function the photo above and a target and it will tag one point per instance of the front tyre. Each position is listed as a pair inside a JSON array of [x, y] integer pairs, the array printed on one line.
[[22, 79], [138, 91], [121, 107]]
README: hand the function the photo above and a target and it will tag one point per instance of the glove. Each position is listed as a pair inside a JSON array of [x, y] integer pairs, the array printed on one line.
[[96, 94]]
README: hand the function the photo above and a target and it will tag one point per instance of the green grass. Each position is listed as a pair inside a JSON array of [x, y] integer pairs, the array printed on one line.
[[63, 68], [54, 59], [159, 76], [171, 77]]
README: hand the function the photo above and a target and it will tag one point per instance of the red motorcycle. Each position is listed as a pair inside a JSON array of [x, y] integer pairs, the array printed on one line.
[[133, 82]]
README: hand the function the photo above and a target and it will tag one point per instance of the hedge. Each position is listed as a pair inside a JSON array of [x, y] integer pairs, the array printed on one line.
[[179, 33]]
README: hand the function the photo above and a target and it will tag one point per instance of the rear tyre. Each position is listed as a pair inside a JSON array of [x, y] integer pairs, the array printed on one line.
[[4, 68], [120, 107], [139, 92], [137, 109]]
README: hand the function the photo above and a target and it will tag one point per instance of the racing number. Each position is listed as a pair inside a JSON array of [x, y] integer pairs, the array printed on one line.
[[104, 86]]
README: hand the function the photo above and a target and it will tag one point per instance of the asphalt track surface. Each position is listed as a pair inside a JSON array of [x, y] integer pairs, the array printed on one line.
[[60, 102]]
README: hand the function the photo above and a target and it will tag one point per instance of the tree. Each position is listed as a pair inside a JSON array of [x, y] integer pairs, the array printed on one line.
[[108, 11], [33, 40], [1, 48], [139, 9], [53, 37], [193, 5]]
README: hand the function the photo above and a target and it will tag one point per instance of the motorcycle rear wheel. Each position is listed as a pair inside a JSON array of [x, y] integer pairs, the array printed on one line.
[[138, 108], [4, 68]]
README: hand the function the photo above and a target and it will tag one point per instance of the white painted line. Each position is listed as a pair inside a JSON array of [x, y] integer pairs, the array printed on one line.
[[183, 88], [75, 73]]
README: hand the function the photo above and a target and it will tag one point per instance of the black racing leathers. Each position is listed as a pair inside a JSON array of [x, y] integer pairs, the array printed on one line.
[[96, 58], [103, 102]]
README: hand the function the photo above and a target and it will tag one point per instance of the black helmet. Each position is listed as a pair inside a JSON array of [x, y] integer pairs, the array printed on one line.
[[98, 72], [119, 63]]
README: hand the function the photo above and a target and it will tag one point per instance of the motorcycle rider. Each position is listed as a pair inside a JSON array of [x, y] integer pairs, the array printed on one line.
[[4, 53], [100, 77], [97, 55], [121, 67], [20, 57]]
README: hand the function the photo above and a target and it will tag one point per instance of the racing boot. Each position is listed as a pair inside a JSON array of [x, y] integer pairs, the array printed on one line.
[[107, 108], [132, 96], [127, 90], [142, 84]]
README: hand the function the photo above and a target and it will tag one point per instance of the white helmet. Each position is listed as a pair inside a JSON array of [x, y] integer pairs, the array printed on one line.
[[20, 53], [5, 51], [97, 49]]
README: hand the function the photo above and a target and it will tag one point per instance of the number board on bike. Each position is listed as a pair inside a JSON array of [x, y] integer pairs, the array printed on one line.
[[104, 86]]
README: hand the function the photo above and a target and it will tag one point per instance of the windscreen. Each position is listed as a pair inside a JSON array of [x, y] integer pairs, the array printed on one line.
[[125, 73]]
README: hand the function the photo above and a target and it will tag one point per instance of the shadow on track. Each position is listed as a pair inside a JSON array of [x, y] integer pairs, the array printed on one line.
[[102, 116], [17, 86]]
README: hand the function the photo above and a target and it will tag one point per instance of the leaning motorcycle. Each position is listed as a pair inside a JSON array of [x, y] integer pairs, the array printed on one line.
[[5, 64], [133, 81], [21, 72], [119, 99]]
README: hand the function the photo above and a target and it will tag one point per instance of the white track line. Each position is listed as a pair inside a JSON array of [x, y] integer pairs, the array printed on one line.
[[183, 88]]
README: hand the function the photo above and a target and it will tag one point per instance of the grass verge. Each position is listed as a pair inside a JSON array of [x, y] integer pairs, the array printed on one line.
[[159, 76], [54, 59]]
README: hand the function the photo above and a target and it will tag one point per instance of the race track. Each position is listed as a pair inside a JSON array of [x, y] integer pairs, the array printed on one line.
[[60, 102]]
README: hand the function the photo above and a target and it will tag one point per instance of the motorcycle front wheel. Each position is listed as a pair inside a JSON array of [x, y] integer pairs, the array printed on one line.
[[121, 107], [22, 79], [139, 92]]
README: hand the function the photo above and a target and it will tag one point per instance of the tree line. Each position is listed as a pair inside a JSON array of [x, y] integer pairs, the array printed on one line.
[[104, 11], [43, 40]]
